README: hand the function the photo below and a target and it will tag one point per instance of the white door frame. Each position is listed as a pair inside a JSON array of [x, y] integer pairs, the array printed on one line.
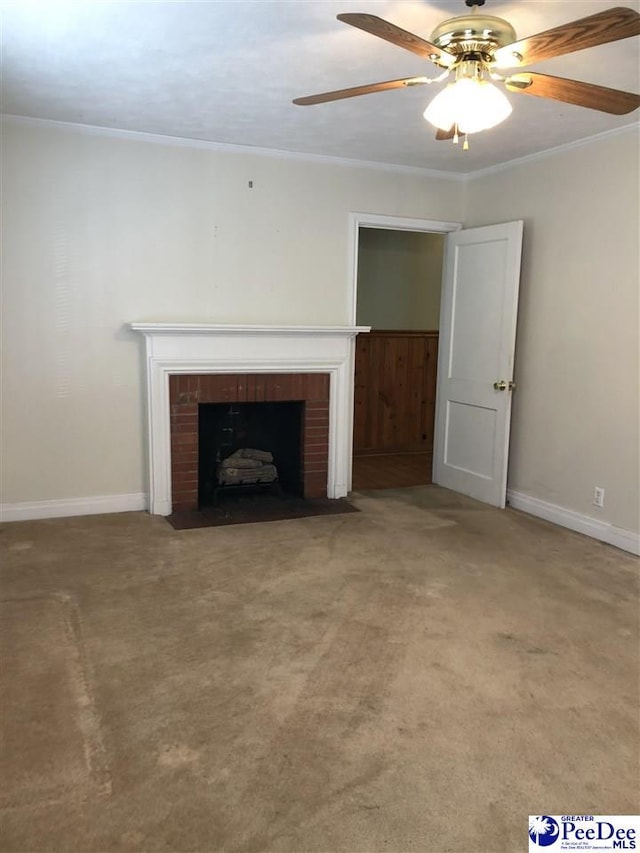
[[389, 223]]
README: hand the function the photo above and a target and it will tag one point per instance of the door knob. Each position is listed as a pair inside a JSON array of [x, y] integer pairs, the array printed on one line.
[[500, 385]]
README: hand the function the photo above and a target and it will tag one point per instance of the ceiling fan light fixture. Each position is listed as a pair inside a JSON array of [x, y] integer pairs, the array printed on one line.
[[470, 103], [471, 47]]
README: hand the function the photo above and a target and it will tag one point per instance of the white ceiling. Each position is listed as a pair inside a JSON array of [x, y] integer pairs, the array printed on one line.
[[227, 70]]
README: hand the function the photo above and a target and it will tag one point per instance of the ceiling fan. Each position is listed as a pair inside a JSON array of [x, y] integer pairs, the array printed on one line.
[[473, 49]]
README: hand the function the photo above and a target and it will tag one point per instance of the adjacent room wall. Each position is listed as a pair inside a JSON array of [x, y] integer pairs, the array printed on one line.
[[101, 230], [576, 410], [399, 279]]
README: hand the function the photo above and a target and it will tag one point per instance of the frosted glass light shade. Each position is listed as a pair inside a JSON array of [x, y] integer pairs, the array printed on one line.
[[470, 103]]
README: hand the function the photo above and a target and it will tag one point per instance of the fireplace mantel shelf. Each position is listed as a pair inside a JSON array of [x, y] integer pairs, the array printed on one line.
[[221, 329]]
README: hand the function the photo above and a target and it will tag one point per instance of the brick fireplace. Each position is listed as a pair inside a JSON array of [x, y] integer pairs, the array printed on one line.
[[189, 391], [188, 364]]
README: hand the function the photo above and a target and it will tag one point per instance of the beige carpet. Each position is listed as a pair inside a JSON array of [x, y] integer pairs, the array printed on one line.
[[418, 676], [51, 746]]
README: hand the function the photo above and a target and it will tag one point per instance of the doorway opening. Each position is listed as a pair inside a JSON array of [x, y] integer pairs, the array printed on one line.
[[397, 288]]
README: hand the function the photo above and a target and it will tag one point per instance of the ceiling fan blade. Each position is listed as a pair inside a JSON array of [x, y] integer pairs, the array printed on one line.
[[613, 101], [402, 38], [354, 91], [610, 25], [445, 134]]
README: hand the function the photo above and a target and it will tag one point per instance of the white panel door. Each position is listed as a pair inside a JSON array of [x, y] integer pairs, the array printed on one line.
[[475, 362]]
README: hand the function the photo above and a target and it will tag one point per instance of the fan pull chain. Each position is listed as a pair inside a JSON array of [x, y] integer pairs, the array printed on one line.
[[465, 147], [456, 138]]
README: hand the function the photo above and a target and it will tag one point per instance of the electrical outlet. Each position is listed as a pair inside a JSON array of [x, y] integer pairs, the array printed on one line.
[[598, 496]]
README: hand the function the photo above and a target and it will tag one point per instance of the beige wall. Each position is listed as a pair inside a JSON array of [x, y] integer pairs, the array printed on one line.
[[100, 231], [399, 279], [576, 410]]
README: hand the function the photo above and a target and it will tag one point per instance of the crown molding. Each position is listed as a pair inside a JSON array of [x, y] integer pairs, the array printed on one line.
[[229, 148], [549, 152], [321, 159]]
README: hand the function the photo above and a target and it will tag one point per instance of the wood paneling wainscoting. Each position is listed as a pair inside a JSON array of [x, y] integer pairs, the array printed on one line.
[[395, 394]]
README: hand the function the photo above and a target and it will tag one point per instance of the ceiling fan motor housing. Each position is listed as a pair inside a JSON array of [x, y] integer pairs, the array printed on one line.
[[472, 34]]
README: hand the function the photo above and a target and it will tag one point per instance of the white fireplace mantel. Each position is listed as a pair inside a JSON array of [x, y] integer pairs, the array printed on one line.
[[211, 348], [219, 329]]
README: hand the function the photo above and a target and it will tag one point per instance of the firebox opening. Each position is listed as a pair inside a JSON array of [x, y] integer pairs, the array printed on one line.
[[249, 432]]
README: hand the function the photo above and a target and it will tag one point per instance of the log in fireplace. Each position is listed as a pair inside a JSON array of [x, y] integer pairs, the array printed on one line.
[[249, 447]]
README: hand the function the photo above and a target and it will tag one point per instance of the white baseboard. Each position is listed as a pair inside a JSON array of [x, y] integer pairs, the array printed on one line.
[[602, 530], [73, 506]]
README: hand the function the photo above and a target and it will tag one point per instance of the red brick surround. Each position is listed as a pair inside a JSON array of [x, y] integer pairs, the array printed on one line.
[[186, 391]]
